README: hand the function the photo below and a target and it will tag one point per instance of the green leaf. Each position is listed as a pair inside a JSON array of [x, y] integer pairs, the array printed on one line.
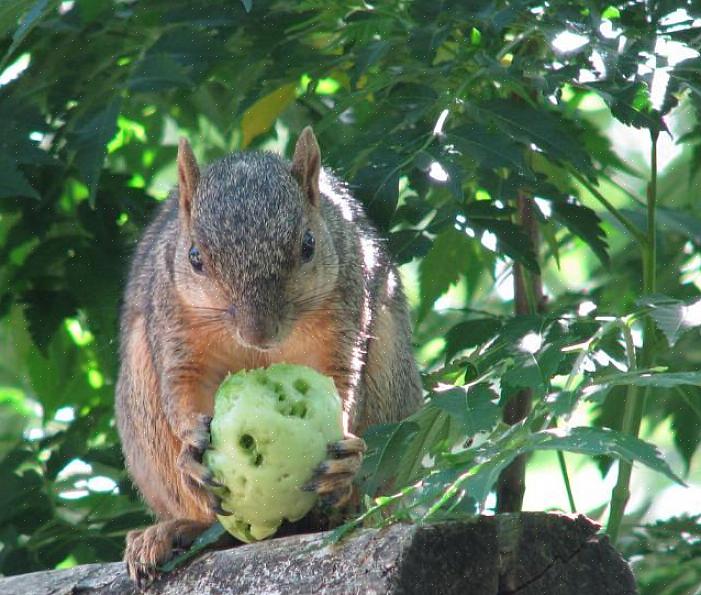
[[247, 5], [550, 132], [585, 223], [469, 333], [91, 133], [29, 21], [10, 14], [45, 311], [511, 240], [407, 244], [449, 256], [157, 72], [473, 408], [377, 185], [433, 427], [12, 180], [489, 149], [673, 317], [602, 441], [386, 445], [684, 409], [206, 539], [658, 379]]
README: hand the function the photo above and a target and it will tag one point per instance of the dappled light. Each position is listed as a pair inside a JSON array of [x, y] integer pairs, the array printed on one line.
[[532, 170]]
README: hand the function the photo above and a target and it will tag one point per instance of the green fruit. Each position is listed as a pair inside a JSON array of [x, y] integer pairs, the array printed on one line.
[[269, 432]]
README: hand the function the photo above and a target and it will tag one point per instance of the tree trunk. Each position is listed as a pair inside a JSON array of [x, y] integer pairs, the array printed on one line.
[[512, 481]]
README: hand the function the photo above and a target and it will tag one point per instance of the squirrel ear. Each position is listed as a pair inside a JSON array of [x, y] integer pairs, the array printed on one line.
[[188, 177], [306, 164]]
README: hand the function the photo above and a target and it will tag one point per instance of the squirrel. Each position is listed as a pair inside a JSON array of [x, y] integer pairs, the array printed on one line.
[[253, 261]]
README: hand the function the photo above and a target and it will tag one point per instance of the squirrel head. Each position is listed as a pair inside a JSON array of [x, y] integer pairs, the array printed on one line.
[[253, 254]]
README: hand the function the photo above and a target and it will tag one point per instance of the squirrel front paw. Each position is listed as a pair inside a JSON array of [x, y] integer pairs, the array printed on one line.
[[148, 548], [333, 478], [198, 479]]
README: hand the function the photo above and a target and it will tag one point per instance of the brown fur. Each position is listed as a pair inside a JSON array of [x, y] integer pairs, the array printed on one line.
[[256, 301]]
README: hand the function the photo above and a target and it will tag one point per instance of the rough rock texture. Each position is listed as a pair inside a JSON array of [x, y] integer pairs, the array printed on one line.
[[527, 553]]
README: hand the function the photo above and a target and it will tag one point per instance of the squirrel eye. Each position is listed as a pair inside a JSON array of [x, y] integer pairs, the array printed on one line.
[[307, 246], [195, 259]]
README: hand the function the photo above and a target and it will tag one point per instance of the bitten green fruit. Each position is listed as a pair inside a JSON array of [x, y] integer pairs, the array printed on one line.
[[269, 432]]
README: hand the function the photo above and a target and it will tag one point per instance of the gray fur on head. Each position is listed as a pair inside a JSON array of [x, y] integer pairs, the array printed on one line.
[[247, 218]]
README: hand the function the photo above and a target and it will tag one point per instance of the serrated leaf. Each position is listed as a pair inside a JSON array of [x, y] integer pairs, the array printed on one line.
[[377, 186], [602, 441], [45, 311], [673, 317], [12, 180], [157, 72], [441, 267], [584, 223], [489, 149], [28, 22], [90, 135], [407, 244], [511, 240], [546, 130], [385, 444], [260, 117], [659, 379], [433, 427], [684, 409], [469, 333], [473, 408]]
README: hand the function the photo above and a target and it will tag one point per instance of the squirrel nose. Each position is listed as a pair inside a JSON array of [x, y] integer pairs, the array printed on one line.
[[258, 332]]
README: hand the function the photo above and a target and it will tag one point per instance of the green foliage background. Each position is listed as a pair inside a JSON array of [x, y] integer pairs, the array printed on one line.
[[439, 114]]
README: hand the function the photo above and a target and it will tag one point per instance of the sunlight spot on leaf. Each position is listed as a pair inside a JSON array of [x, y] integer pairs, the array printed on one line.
[[674, 51], [75, 467], [65, 414], [566, 41], [95, 379], [505, 281], [15, 69], [66, 6], [80, 335], [692, 314], [532, 342], [35, 434], [489, 241], [680, 16], [437, 172], [660, 80], [68, 562], [586, 308], [73, 494], [438, 128], [608, 30], [100, 483], [544, 206]]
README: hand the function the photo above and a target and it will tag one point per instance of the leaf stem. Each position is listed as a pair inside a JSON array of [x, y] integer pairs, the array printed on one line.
[[639, 236], [566, 479], [635, 405]]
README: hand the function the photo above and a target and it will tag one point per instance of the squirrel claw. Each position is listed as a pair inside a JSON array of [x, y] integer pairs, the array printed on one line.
[[333, 478], [220, 511]]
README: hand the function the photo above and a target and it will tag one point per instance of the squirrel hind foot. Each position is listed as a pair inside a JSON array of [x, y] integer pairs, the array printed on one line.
[[148, 548]]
